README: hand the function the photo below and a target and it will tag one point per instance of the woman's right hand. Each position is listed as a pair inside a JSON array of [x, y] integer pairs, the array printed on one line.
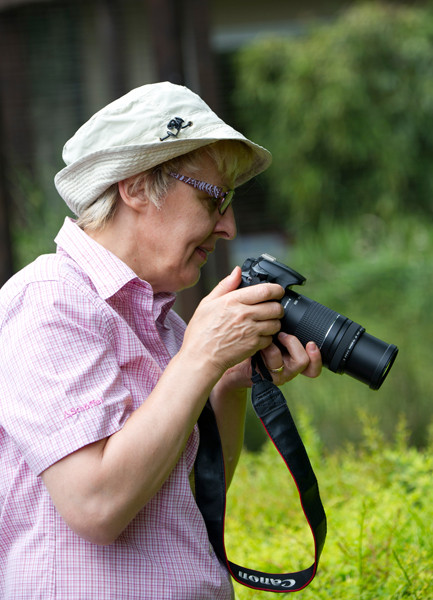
[[232, 324]]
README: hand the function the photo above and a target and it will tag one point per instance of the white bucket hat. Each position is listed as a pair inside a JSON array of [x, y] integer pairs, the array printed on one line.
[[146, 127]]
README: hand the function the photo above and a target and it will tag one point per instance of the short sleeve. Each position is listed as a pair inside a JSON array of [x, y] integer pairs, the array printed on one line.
[[60, 379]]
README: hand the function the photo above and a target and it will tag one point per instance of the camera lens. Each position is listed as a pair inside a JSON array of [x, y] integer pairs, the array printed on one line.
[[345, 346]]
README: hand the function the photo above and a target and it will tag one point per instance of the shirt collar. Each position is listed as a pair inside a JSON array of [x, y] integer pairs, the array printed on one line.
[[107, 272]]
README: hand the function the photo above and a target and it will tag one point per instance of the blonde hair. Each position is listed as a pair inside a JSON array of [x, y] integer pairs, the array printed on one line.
[[232, 158]]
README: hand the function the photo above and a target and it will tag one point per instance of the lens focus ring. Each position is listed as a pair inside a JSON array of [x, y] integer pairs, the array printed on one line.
[[315, 324]]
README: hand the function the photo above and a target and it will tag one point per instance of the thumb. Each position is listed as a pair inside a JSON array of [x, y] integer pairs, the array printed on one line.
[[228, 284]]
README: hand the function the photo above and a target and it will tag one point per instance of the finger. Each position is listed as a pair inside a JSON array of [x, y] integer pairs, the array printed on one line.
[[296, 360], [262, 292], [315, 367], [273, 358], [265, 311], [267, 328], [291, 344], [307, 361], [226, 285], [254, 294]]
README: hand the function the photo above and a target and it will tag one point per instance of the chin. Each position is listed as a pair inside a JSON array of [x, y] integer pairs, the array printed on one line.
[[189, 283]]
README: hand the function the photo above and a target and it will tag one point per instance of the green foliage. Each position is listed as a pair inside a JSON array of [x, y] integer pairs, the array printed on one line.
[[347, 111], [379, 505], [36, 221], [378, 274]]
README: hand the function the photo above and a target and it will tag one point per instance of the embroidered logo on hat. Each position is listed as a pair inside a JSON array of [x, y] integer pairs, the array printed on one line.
[[177, 125]]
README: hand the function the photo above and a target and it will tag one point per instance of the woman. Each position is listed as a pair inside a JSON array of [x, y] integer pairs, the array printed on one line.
[[102, 384]]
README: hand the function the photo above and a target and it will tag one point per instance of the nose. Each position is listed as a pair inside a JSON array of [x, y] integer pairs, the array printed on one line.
[[225, 226]]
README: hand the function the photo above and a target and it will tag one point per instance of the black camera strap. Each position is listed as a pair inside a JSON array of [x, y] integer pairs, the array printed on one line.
[[271, 408]]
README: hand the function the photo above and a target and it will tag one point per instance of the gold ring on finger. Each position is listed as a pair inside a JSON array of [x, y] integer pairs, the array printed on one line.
[[277, 370]]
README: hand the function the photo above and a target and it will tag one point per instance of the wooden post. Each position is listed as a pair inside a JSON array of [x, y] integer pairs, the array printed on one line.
[[165, 18], [15, 132], [6, 268], [112, 39]]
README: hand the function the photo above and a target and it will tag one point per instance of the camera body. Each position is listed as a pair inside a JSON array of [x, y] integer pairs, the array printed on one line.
[[345, 345]]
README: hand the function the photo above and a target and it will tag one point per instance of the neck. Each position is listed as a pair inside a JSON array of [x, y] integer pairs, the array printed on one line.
[[119, 236]]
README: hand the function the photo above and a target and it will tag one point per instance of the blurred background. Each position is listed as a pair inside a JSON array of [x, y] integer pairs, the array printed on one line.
[[340, 92]]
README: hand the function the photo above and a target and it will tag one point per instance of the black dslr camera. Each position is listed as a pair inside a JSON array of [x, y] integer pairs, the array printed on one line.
[[345, 346]]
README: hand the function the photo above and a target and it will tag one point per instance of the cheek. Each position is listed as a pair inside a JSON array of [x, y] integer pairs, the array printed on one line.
[[191, 230], [183, 223]]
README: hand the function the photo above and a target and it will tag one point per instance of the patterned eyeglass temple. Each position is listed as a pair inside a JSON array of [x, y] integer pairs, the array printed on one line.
[[223, 194]]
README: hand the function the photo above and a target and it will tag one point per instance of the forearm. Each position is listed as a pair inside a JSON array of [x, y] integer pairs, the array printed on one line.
[[100, 488], [229, 406], [116, 477]]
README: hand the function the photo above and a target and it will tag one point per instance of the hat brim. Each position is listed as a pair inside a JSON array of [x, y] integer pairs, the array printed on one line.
[[88, 177]]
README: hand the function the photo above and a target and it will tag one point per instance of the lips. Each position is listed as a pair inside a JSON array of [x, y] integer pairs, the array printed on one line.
[[204, 252]]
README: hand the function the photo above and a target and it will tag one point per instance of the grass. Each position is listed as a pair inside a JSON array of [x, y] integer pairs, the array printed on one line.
[[379, 503]]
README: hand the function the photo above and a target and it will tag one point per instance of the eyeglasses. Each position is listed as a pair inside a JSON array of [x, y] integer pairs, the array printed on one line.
[[222, 194]]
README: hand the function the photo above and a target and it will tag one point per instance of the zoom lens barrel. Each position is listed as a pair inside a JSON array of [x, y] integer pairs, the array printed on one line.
[[345, 346]]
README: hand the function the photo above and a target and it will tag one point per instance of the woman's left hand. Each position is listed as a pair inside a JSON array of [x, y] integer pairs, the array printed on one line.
[[283, 365], [229, 393], [295, 360]]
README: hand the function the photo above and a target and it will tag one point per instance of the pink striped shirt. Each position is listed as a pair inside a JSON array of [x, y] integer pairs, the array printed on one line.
[[83, 342]]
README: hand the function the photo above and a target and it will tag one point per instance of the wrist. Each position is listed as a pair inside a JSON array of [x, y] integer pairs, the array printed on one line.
[[237, 377], [230, 385], [198, 368]]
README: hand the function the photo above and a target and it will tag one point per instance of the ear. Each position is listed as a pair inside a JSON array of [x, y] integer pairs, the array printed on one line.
[[132, 192]]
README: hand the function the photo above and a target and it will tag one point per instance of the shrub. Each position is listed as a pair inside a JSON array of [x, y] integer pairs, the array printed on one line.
[[378, 501], [347, 110]]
